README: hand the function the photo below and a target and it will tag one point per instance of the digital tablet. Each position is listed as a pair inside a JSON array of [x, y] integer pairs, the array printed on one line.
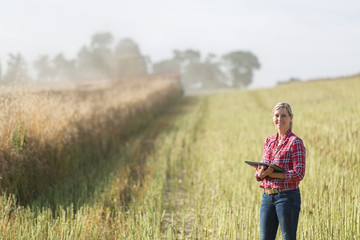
[[276, 167]]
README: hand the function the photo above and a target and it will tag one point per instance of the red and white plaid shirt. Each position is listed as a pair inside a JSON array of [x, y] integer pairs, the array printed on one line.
[[290, 155]]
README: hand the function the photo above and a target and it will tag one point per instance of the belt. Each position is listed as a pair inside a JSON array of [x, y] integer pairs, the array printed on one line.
[[272, 191]]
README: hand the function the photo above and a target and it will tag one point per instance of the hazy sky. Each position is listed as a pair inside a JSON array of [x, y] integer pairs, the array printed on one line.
[[304, 39]]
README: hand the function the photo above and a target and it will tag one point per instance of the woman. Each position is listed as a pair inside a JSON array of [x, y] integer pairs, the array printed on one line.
[[281, 199]]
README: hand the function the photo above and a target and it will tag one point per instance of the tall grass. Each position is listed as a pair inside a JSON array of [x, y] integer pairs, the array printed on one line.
[[50, 137], [194, 182]]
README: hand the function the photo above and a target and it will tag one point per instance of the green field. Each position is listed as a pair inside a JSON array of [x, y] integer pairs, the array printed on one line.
[[186, 177]]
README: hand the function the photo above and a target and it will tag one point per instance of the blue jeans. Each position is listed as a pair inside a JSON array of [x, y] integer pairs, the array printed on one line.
[[283, 208]]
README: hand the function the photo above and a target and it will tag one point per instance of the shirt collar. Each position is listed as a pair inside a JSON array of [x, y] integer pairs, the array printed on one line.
[[286, 136]]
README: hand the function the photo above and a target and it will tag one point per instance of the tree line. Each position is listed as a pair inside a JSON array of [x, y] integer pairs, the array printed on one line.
[[99, 60]]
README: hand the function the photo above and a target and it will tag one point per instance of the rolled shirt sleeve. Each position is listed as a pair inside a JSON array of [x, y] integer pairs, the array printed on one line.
[[298, 156]]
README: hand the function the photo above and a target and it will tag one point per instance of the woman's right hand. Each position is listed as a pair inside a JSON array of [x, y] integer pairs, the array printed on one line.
[[263, 171]]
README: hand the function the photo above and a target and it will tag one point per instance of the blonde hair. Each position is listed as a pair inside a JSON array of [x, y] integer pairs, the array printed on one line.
[[287, 107]]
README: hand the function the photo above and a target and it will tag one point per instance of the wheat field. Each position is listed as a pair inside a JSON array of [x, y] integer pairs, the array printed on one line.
[[48, 137], [184, 176]]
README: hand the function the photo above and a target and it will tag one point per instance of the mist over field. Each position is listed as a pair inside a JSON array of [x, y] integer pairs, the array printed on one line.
[[102, 61], [304, 40]]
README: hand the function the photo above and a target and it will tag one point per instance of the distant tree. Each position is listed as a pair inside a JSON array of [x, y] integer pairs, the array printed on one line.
[[55, 70], [187, 57], [170, 66], [16, 69], [43, 68], [96, 61], [101, 52], [195, 73], [101, 40], [212, 75], [190, 67], [129, 61], [177, 63], [203, 74], [240, 66], [84, 63], [63, 69]]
